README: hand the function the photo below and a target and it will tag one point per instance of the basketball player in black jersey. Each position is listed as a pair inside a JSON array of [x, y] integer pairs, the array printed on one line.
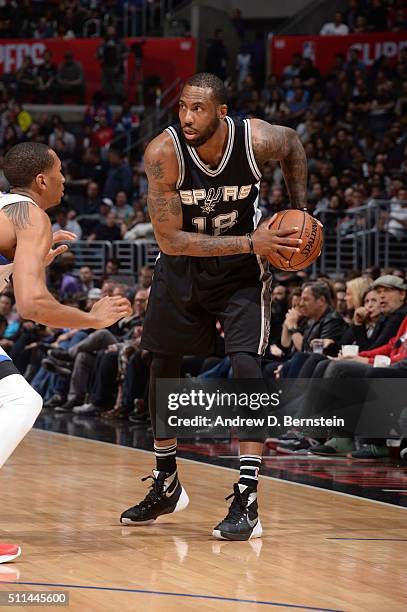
[[203, 190]]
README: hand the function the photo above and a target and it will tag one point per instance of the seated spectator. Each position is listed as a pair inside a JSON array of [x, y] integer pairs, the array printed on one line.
[[324, 323], [367, 331], [111, 268], [362, 366], [90, 203], [279, 307], [360, 25], [297, 106], [65, 220], [140, 227], [3, 324], [98, 110], [355, 291], [292, 70], [86, 279], [122, 207], [89, 167], [103, 134], [8, 312], [128, 121], [264, 198], [144, 278], [61, 282], [106, 393], [70, 79], [335, 28], [60, 133], [397, 219], [81, 358], [107, 230], [44, 29]]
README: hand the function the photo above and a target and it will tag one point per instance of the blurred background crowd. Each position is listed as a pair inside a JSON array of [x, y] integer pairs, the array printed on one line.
[[352, 122]]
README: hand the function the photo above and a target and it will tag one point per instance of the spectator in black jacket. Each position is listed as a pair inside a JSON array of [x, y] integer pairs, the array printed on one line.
[[324, 323], [109, 230]]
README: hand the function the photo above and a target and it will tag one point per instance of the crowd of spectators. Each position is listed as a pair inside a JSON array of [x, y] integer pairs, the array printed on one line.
[[104, 373], [105, 191], [57, 18], [47, 82], [352, 123], [364, 16]]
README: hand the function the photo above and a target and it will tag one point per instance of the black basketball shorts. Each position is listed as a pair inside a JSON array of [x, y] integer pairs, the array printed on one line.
[[189, 294]]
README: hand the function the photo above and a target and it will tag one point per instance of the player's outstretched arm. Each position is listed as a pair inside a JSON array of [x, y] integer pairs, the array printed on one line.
[[165, 209], [33, 300], [282, 143]]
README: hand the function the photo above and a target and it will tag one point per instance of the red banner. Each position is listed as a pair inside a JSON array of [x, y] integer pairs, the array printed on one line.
[[168, 58], [322, 49]]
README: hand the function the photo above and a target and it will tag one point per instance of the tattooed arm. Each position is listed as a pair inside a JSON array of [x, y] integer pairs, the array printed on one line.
[[33, 300], [282, 143], [165, 208]]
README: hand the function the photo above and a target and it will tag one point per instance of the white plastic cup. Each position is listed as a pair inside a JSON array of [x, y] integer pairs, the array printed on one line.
[[318, 347], [381, 361], [350, 350]]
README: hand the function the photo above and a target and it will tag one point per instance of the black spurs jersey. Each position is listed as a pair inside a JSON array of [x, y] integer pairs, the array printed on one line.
[[189, 293], [222, 200]]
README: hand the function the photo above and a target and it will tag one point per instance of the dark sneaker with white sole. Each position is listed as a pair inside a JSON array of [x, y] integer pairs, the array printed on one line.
[[367, 452], [242, 521], [300, 446], [166, 496]]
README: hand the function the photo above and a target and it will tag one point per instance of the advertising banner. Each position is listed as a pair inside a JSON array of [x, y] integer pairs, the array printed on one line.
[[168, 58], [322, 49]]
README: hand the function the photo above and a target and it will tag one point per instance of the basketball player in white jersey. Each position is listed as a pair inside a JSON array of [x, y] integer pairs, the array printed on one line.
[[33, 171]]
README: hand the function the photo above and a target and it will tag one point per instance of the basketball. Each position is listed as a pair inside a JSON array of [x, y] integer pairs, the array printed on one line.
[[312, 240]]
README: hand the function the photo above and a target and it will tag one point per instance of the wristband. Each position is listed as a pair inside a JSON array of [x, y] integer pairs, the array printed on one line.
[[293, 330], [249, 238]]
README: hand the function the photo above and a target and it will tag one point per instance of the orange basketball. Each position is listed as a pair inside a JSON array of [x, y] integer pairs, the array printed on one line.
[[312, 240]]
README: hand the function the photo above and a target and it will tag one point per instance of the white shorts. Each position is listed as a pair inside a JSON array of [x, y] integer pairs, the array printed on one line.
[[7, 367], [4, 356]]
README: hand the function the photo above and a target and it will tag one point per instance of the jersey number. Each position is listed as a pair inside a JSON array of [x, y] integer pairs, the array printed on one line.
[[220, 224]]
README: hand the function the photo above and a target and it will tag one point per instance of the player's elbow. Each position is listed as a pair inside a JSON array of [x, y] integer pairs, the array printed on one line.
[[169, 244], [26, 309], [167, 249], [28, 306]]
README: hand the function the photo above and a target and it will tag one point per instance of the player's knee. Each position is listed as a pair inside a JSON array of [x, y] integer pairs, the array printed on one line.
[[246, 365], [33, 403]]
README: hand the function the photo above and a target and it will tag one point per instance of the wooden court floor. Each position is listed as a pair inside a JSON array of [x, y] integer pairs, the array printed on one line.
[[61, 498]]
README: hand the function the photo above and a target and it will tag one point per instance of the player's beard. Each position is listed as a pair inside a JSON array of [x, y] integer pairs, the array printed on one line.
[[205, 135]]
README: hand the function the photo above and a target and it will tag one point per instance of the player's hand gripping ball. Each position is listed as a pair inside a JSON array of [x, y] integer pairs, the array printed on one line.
[[310, 232]]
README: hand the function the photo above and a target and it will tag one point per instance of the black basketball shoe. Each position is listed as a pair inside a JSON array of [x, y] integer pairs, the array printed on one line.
[[166, 496], [242, 521]]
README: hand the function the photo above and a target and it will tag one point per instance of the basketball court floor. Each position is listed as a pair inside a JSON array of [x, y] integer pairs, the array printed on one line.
[[335, 532]]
